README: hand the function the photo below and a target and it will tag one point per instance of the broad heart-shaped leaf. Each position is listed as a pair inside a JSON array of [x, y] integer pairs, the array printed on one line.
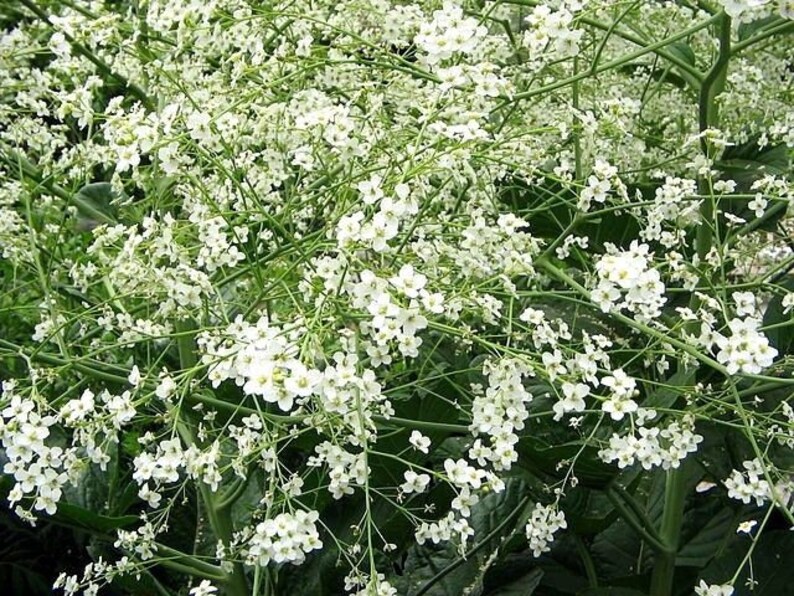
[[94, 203], [710, 539], [587, 511], [526, 585], [439, 570], [771, 568], [749, 162], [539, 457], [617, 552]]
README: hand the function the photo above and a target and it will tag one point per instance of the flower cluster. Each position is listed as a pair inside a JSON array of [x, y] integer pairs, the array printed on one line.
[[626, 280], [548, 27], [285, 538], [746, 349], [544, 522], [320, 258], [39, 470], [600, 183], [449, 33], [653, 446], [499, 412], [746, 11], [751, 484]]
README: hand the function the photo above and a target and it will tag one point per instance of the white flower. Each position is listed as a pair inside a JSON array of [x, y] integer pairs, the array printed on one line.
[[746, 349], [746, 527], [134, 377], [617, 407], [704, 589], [758, 205], [205, 588], [544, 522], [419, 441], [408, 281], [371, 191], [573, 399], [414, 483], [301, 381]]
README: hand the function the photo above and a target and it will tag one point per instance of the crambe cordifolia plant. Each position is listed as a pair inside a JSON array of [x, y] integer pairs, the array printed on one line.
[[360, 297]]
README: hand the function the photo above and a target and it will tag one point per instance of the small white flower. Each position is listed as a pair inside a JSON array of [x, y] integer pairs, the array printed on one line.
[[205, 588], [746, 527], [419, 441], [134, 377], [704, 589], [414, 483]]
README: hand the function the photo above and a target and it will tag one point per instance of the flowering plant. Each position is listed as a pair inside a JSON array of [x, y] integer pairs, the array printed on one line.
[[436, 297]]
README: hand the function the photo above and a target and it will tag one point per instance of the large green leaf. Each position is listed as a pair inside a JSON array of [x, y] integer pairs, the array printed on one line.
[[539, 457], [749, 162], [771, 568], [525, 585], [440, 570], [94, 203], [709, 541], [587, 511], [618, 552]]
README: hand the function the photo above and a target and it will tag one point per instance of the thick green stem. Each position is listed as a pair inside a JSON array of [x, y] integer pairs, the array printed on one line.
[[674, 500], [643, 528], [708, 117], [219, 516]]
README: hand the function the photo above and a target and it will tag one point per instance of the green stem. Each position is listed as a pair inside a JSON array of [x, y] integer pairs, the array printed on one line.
[[708, 117], [643, 530], [609, 65], [641, 327], [219, 517], [674, 501], [587, 561], [693, 74], [782, 26], [234, 492], [189, 564]]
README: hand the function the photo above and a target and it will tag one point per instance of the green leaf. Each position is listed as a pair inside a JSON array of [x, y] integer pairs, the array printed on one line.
[[665, 396], [94, 203], [771, 567], [588, 511], [523, 586], [617, 551], [709, 541], [748, 30], [682, 50], [439, 570], [538, 457], [749, 162]]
